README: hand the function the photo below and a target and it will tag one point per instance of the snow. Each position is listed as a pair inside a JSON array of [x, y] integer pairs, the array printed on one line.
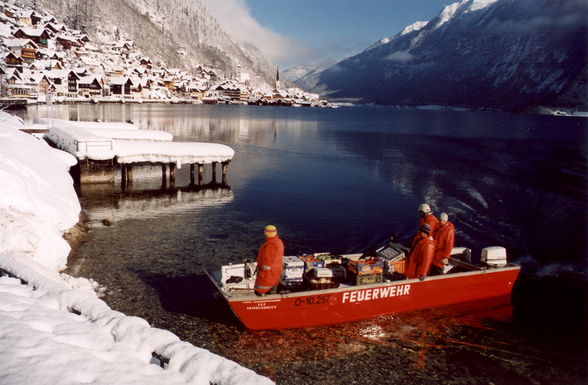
[[53, 327], [416, 26], [102, 141]]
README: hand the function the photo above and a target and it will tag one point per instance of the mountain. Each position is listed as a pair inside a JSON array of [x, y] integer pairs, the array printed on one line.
[[512, 54], [180, 33]]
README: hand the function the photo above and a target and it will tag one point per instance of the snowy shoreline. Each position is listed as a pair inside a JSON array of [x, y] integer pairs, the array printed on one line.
[[53, 327]]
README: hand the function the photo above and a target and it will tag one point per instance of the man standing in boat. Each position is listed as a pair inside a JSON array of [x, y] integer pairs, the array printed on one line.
[[421, 256], [444, 240], [269, 262], [427, 217]]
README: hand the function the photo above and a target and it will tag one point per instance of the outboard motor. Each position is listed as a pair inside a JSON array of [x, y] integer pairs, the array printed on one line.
[[494, 256]]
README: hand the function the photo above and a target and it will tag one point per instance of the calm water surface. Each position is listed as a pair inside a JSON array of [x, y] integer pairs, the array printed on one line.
[[342, 180]]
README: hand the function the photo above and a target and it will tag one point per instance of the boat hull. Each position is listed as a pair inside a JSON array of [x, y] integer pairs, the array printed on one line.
[[351, 303]]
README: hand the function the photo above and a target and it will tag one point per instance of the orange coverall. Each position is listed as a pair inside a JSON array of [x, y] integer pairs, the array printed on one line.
[[420, 258], [269, 264], [429, 219], [444, 241]]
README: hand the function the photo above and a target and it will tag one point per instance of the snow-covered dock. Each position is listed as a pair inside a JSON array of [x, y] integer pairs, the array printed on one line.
[[101, 147]]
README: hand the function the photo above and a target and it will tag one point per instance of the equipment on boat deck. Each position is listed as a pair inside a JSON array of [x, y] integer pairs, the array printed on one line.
[[494, 256]]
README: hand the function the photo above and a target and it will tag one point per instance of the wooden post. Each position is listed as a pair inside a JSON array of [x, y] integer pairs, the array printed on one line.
[[225, 167], [163, 176], [130, 173], [123, 176], [200, 173], [191, 174], [172, 174], [214, 172]]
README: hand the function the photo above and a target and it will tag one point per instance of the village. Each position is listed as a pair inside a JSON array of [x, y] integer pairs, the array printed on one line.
[[44, 62]]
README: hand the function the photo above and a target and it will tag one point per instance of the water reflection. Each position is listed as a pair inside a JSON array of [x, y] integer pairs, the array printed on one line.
[[106, 204]]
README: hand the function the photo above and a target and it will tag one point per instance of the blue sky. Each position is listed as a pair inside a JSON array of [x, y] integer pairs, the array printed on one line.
[[315, 32]]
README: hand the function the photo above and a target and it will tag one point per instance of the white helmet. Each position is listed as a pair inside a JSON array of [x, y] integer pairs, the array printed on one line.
[[424, 208]]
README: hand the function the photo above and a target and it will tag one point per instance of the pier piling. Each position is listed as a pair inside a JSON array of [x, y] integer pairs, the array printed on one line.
[[172, 174], [214, 171], [200, 173], [225, 167]]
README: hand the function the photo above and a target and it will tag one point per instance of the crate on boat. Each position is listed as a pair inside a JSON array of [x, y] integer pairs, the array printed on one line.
[[367, 279], [310, 262], [292, 284], [322, 283], [293, 268], [395, 267], [366, 266]]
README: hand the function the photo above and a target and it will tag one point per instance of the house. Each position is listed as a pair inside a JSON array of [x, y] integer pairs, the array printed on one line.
[[91, 86], [42, 84], [122, 46], [24, 17], [65, 82], [120, 86], [55, 28], [145, 62], [12, 60], [25, 48], [196, 90], [229, 90], [68, 42], [72, 84], [39, 35]]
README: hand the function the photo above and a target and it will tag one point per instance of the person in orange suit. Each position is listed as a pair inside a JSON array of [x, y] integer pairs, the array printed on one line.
[[269, 262], [427, 217], [444, 240], [421, 256]]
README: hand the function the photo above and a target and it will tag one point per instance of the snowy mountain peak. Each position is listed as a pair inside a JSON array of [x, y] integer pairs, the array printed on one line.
[[417, 26], [490, 53]]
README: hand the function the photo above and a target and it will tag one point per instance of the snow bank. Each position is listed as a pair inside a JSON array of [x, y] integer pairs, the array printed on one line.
[[53, 327]]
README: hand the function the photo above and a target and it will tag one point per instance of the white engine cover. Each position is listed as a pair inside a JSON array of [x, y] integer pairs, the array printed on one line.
[[494, 256]]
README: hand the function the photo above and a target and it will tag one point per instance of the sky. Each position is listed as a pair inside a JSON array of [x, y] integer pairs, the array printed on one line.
[[317, 32]]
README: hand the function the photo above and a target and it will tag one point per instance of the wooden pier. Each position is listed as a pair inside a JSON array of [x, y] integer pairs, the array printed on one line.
[[102, 150], [168, 174]]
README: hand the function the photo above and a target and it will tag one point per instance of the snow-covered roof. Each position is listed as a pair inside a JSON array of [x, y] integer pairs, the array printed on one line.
[[117, 80], [33, 32], [18, 43]]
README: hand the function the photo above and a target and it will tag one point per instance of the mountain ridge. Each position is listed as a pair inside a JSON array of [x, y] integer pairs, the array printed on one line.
[[475, 53]]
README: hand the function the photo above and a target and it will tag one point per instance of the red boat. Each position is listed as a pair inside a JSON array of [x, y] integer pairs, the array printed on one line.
[[351, 301]]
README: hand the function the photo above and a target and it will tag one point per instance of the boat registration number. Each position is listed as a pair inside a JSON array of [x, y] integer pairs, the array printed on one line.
[[313, 300]]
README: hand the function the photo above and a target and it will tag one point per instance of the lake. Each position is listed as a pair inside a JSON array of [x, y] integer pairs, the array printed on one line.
[[343, 180]]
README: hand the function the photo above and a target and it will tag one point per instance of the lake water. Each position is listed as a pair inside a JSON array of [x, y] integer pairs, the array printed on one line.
[[342, 180]]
